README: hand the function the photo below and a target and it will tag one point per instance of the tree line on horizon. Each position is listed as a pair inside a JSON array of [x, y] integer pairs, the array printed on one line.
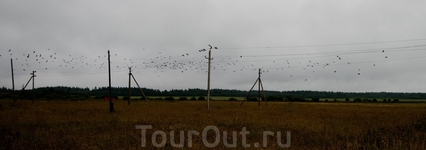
[[63, 92]]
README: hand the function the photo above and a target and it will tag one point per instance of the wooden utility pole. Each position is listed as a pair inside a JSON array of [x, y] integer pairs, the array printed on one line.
[[208, 79], [13, 80], [111, 104], [130, 81], [130, 89], [208, 76], [260, 87], [23, 87], [259, 98], [33, 77], [263, 91]]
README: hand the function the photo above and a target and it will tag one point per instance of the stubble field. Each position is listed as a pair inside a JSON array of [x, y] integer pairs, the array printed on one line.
[[90, 125]]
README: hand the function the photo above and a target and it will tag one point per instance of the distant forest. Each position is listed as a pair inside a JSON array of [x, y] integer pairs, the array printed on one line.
[[76, 93]]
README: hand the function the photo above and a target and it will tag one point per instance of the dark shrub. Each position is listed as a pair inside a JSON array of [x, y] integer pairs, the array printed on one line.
[[273, 98], [183, 98], [357, 100], [232, 99], [253, 99], [169, 98]]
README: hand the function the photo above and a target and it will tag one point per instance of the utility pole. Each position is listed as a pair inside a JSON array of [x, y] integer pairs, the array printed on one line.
[[260, 87], [260, 83], [13, 80], [33, 77], [208, 77], [111, 104], [130, 81], [25, 86], [208, 80], [263, 91]]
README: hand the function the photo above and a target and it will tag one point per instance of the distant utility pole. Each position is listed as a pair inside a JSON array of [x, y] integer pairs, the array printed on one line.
[[134, 79], [33, 77], [13, 80], [130, 81], [25, 86], [260, 87], [33, 83], [111, 104], [208, 77]]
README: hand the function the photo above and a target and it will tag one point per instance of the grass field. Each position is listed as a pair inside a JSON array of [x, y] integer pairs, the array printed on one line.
[[218, 98], [90, 125]]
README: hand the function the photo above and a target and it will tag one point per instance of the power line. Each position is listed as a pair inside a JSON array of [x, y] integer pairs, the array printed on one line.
[[194, 61], [324, 45], [339, 51]]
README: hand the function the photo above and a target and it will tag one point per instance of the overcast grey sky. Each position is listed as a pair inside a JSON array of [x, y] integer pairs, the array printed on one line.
[[329, 45]]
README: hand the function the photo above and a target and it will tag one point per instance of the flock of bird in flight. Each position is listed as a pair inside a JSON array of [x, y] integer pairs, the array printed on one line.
[[52, 61]]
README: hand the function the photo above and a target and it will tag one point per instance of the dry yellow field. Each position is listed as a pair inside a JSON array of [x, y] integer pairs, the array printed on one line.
[[90, 125]]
